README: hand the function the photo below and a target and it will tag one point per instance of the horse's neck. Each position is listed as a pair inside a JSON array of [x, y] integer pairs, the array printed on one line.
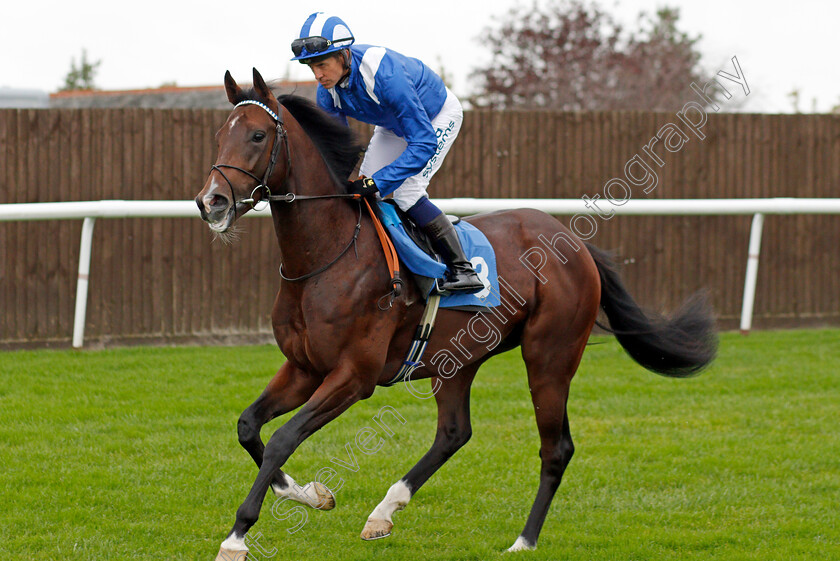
[[310, 233]]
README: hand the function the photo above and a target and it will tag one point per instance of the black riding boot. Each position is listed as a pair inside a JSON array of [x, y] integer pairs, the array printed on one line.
[[461, 277]]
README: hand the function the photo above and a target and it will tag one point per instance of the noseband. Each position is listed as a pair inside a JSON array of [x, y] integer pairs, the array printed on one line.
[[280, 137]]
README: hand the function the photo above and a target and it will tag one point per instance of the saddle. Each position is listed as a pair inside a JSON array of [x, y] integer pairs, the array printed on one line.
[[427, 280], [417, 235]]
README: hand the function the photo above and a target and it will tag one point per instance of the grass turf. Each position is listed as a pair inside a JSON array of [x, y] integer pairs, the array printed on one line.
[[132, 454]]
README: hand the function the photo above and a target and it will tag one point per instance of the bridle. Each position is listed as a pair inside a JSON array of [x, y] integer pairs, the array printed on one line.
[[281, 137]]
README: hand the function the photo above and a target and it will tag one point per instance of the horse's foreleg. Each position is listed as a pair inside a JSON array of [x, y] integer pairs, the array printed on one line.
[[339, 390], [453, 431], [288, 390]]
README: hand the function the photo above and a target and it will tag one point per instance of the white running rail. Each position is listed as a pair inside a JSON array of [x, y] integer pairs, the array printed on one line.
[[91, 210]]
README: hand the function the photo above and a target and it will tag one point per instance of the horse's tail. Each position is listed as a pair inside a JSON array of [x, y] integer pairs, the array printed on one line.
[[678, 347]]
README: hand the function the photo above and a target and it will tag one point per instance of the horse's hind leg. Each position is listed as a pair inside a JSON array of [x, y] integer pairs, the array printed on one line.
[[453, 431], [551, 365], [288, 390]]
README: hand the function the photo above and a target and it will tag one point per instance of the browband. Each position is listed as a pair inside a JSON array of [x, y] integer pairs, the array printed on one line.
[[260, 104]]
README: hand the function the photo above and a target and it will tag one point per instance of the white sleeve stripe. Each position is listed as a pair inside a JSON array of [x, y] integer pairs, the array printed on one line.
[[369, 67], [336, 99]]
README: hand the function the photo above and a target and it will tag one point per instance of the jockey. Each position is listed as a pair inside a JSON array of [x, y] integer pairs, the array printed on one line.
[[416, 121]]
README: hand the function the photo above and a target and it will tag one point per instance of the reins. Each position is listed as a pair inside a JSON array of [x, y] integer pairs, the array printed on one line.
[[281, 137], [331, 263], [391, 257]]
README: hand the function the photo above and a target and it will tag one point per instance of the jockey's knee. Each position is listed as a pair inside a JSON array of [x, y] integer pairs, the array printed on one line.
[[423, 211]]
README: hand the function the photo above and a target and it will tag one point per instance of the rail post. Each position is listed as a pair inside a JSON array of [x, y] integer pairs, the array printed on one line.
[[752, 273], [82, 282]]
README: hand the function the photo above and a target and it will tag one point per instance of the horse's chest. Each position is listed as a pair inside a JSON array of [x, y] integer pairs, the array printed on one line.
[[307, 343]]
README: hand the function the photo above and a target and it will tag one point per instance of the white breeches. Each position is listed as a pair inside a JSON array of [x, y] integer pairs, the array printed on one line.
[[385, 147]]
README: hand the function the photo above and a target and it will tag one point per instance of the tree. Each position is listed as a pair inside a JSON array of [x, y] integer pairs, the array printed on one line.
[[81, 77], [573, 55]]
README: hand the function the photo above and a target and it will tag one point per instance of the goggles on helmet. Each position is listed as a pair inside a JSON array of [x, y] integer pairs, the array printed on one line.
[[314, 45]]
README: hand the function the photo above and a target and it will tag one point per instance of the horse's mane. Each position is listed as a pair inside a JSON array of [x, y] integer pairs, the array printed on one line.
[[338, 144]]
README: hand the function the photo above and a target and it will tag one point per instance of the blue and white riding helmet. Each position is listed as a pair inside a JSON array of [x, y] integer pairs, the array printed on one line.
[[321, 35]]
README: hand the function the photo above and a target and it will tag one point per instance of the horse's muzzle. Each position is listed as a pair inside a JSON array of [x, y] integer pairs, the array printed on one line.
[[213, 207], [217, 211]]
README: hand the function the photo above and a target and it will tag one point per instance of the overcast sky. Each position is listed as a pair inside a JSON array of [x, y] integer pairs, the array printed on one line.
[[149, 43]]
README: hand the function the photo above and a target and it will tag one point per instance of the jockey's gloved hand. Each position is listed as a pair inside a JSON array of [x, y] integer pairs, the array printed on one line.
[[364, 186]]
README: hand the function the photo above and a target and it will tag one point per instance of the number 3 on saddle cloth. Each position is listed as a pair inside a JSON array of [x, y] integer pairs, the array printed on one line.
[[417, 254]]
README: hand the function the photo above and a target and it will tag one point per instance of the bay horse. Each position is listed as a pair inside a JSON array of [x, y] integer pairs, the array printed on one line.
[[341, 343]]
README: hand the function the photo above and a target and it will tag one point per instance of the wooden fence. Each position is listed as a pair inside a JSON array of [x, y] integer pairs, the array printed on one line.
[[165, 280]]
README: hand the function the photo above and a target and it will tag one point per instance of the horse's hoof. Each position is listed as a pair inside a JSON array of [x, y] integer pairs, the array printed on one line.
[[314, 495], [325, 499], [232, 555], [376, 529], [521, 545]]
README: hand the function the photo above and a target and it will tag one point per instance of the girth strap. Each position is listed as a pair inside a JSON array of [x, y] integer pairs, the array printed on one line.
[[391, 257]]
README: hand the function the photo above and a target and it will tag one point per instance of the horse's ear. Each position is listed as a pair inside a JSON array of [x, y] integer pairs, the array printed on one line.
[[232, 89], [261, 88]]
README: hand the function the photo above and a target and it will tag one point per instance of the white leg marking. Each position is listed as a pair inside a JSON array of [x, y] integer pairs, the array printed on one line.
[[395, 499], [379, 523], [234, 543], [309, 495], [521, 545]]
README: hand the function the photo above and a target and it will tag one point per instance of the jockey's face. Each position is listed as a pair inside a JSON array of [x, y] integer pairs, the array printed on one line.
[[329, 71]]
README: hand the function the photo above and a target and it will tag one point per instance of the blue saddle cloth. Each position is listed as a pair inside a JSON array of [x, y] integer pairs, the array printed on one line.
[[476, 247]]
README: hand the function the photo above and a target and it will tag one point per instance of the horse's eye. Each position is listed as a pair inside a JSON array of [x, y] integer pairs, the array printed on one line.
[[259, 136]]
